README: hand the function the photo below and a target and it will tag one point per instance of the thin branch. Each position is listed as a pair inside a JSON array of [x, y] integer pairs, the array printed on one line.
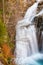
[[3, 11]]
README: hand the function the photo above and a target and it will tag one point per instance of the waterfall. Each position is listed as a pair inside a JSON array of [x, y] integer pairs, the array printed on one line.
[[26, 40], [42, 41], [33, 60], [31, 11], [39, 0]]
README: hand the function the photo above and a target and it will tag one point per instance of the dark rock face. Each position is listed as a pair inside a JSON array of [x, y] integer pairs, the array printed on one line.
[[40, 6], [39, 27]]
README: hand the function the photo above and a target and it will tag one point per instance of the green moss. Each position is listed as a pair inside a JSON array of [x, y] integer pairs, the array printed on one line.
[[3, 33], [4, 38], [1, 11]]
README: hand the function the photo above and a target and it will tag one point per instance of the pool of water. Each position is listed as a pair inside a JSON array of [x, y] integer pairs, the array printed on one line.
[[40, 61], [36, 59], [37, 62]]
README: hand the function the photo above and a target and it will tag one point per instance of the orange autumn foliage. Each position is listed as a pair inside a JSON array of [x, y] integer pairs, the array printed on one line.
[[6, 50]]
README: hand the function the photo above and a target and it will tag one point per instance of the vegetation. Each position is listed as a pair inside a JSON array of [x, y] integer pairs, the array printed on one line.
[[3, 33], [5, 46]]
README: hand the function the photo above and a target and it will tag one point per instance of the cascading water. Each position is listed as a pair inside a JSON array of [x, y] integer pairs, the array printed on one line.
[[42, 41], [31, 11], [24, 36], [26, 41]]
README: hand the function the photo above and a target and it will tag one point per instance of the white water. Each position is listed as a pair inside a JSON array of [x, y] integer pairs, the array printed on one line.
[[26, 40], [31, 11], [39, 0], [42, 41], [31, 60]]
